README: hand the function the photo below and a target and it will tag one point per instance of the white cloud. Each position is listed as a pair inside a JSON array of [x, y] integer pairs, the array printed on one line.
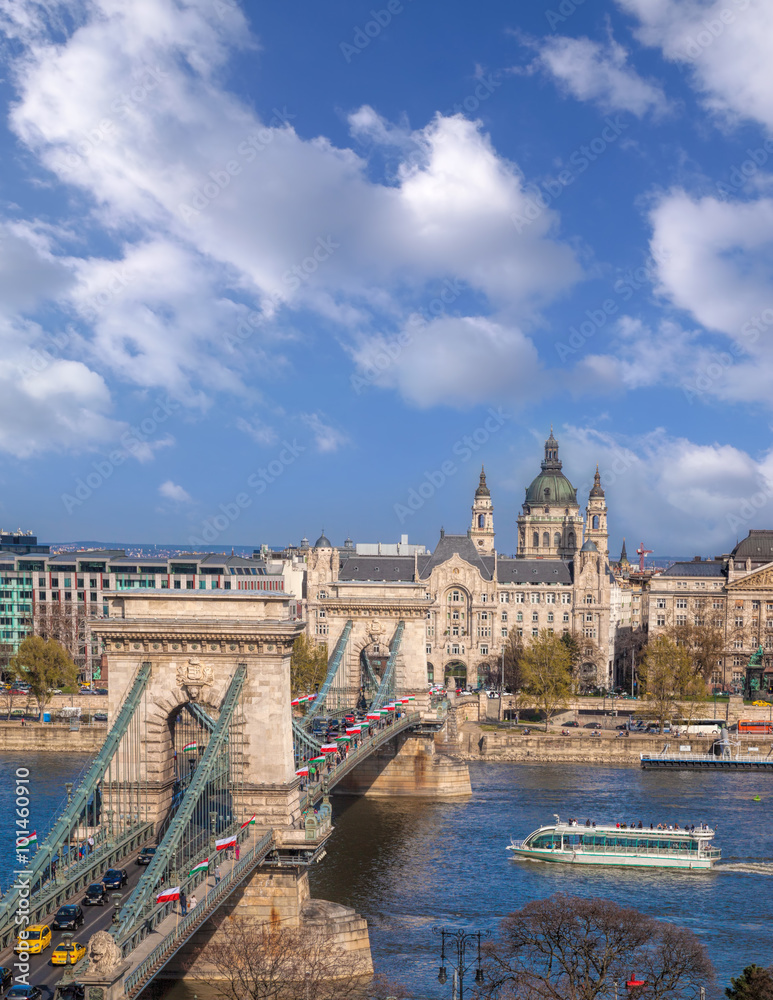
[[725, 44], [326, 437], [599, 73], [260, 432], [695, 498], [126, 109], [172, 491]]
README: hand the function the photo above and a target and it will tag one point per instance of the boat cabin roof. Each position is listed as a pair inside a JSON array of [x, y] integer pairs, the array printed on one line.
[[560, 827]]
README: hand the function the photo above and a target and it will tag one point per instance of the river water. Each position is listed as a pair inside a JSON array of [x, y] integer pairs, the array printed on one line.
[[408, 865]]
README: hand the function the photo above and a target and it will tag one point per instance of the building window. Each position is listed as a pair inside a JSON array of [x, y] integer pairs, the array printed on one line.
[[484, 598], [504, 598], [428, 650], [535, 598], [483, 615], [503, 632], [455, 596], [589, 633], [681, 602], [321, 628], [503, 616], [535, 632], [550, 598], [519, 599], [661, 621], [535, 616], [738, 622], [717, 605], [681, 619], [322, 595], [589, 618], [321, 613], [455, 616], [550, 616], [484, 649], [455, 648], [566, 598], [484, 632], [755, 605], [545, 540], [589, 598], [557, 540], [738, 644], [660, 602], [178, 585], [519, 616], [565, 616], [455, 630]]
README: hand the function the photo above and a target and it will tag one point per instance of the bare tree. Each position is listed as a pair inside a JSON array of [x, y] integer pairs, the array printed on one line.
[[547, 664], [68, 624], [666, 670], [567, 948], [256, 961]]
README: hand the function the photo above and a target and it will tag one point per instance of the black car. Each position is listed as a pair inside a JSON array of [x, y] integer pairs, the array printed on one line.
[[592, 725], [572, 725], [115, 878], [145, 856], [24, 993], [68, 918], [99, 717], [96, 895], [5, 977]]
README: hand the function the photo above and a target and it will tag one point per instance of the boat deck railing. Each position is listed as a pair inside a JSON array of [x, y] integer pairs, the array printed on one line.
[[713, 758], [659, 852]]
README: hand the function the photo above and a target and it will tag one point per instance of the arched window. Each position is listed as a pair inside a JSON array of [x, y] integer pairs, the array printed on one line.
[[557, 540], [535, 540], [545, 540], [571, 539], [595, 520], [481, 520]]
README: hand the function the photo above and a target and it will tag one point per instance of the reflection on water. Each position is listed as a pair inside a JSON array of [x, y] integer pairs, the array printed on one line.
[[408, 865]]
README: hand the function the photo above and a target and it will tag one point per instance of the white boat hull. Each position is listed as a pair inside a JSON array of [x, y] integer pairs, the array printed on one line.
[[615, 860]]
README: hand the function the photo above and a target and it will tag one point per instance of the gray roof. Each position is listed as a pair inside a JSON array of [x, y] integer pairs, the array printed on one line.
[[757, 546], [393, 569], [707, 568], [533, 571], [450, 545], [589, 546]]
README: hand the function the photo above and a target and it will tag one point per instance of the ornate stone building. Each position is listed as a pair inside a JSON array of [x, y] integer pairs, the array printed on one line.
[[732, 592], [460, 603]]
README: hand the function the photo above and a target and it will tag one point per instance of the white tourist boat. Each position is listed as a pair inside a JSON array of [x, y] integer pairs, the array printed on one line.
[[610, 845]]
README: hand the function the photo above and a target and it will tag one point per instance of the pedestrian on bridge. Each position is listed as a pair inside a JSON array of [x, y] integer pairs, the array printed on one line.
[[238, 851], [183, 902], [217, 874], [193, 902]]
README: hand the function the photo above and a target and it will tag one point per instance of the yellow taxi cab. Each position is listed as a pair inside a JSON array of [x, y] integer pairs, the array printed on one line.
[[68, 954], [761, 704], [35, 939]]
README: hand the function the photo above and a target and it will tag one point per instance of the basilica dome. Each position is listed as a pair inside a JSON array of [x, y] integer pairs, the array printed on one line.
[[551, 486]]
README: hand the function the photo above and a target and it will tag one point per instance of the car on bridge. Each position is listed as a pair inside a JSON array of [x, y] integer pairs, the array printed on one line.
[[5, 978], [34, 940], [24, 993], [68, 918], [115, 878], [96, 895], [145, 856], [68, 953]]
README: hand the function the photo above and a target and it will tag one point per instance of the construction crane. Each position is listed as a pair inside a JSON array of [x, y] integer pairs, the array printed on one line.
[[641, 552]]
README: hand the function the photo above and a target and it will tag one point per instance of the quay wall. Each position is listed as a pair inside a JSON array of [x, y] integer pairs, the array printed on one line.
[[51, 737]]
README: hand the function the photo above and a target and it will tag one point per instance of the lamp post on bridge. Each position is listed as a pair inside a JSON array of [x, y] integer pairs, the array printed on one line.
[[458, 941]]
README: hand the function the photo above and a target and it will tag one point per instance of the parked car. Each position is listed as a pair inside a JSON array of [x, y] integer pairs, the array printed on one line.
[[68, 918], [96, 895], [145, 856], [68, 953], [115, 878], [572, 725], [592, 725], [623, 725], [5, 978], [100, 691], [99, 717]]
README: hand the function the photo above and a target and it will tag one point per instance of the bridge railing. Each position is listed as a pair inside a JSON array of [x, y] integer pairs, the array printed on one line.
[[171, 944]]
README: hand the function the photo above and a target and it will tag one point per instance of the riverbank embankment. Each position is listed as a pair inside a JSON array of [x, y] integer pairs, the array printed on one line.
[[51, 737]]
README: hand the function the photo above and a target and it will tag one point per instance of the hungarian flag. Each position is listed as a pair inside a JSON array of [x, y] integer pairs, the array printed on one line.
[[190, 746], [202, 866], [295, 701], [250, 820], [168, 895], [225, 843], [27, 841]]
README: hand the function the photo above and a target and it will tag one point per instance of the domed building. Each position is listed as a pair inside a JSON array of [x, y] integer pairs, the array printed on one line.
[[460, 604]]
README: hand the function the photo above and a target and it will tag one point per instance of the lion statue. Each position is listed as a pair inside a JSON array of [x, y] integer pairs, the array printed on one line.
[[104, 953]]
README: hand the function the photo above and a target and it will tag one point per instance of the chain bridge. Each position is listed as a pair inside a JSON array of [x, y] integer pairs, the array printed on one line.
[[206, 761]]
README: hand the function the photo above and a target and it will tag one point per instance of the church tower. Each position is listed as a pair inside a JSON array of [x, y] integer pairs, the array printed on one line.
[[550, 524], [482, 532], [596, 517]]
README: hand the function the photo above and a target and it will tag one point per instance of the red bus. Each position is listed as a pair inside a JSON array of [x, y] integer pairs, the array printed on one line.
[[755, 726]]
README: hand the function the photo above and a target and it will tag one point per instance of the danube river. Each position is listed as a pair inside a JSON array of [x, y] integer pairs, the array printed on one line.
[[408, 865]]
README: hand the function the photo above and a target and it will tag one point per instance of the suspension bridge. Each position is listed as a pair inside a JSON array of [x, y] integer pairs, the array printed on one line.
[[204, 753]]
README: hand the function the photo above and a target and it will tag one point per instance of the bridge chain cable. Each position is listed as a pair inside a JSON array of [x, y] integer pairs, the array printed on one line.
[[80, 836], [387, 687], [134, 913], [332, 670]]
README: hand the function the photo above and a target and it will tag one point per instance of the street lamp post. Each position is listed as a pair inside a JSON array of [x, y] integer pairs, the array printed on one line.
[[458, 941], [502, 686]]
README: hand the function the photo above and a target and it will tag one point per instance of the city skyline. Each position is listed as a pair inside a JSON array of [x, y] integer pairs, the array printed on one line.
[[295, 268]]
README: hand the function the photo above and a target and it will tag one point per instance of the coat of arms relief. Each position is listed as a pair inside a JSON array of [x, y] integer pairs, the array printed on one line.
[[193, 676]]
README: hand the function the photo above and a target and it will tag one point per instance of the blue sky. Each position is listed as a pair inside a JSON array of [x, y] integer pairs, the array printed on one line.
[[280, 267]]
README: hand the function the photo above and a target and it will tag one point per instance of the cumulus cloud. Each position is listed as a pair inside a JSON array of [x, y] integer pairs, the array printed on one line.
[[326, 437], [725, 47], [696, 498], [598, 73], [172, 491]]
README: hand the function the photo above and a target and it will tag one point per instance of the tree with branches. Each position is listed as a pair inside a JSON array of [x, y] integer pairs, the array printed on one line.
[[568, 948], [754, 983], [44, 664], [248, 960], [308, 665], [665, 671], [547, 667]]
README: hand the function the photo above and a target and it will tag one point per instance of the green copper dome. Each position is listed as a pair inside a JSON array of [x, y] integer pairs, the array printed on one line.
[[551, 486]]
